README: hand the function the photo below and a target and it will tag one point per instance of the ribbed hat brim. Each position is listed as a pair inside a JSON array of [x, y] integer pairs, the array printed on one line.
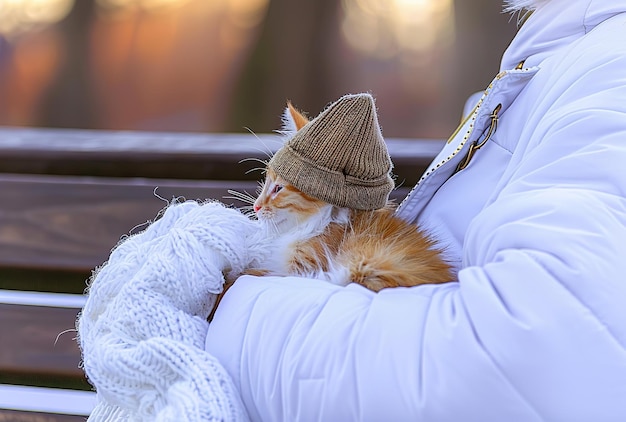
[[330, 186]]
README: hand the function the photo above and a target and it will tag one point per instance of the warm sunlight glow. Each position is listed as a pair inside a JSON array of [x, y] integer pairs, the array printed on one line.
[[388, 28], [244, 13], [144, 4], [172, 61], [17, 16]]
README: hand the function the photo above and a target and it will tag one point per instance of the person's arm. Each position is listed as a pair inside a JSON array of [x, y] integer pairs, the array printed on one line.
[[533, 330]]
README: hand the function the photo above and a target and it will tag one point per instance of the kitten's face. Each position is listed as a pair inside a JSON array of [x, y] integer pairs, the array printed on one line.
[[282, 207]]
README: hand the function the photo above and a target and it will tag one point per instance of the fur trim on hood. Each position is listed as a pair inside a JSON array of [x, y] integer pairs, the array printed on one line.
[[517, 5]]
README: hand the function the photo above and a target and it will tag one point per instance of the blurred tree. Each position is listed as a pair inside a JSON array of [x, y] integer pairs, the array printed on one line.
[[291, 61], [69, 101], [483, 33]]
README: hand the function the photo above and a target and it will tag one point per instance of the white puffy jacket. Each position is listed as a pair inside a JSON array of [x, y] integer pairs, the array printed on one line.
[[535, 328]]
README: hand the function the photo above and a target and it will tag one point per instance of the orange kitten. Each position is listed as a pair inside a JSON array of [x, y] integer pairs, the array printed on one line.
[[313, 238]]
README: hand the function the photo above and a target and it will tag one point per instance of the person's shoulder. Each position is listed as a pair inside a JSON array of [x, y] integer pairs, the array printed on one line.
[[602, 43]]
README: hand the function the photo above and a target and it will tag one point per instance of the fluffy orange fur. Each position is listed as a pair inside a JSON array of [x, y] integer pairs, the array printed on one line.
[[381, 250]]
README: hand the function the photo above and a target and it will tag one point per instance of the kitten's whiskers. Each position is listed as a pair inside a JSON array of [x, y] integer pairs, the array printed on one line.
[[244, 197], [262, 162], [267, 151]]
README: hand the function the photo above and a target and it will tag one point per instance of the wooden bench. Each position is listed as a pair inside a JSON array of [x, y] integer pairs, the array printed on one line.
[[68, 196]]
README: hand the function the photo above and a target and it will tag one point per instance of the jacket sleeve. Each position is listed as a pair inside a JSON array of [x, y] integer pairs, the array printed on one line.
[[533, 330]]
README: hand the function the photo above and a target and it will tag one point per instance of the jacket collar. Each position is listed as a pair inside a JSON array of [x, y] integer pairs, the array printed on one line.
[[554, 24]]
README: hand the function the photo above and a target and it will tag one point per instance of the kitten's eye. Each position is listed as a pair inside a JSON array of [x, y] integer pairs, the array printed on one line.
[[277, 188]]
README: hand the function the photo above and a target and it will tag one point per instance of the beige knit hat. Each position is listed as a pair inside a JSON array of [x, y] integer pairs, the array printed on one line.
[[340, 157]]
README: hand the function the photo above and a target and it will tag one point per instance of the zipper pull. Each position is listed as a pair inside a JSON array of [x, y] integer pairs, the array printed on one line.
[[475, 146]]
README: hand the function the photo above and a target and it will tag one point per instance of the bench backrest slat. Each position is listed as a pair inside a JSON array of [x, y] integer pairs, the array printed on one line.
[[39, 340], [169, 155], [71, 223]]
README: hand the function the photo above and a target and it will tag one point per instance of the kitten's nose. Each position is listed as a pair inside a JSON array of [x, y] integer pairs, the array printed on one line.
[[256, 208]]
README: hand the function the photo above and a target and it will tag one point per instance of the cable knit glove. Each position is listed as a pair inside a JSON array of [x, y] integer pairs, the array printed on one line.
[[227, 235], [143, 327]]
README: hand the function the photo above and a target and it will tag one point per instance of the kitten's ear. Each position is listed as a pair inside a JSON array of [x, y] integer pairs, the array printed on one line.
[[293, 120]]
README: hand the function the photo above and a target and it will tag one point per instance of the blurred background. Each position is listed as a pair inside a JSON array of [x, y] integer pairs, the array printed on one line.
[[230, 65]]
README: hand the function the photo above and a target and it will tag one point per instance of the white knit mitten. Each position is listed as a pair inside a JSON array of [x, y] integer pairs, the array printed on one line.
[[143, 327]]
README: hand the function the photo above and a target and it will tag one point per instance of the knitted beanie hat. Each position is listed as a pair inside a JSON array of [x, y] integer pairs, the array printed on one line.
[[340, 157]]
